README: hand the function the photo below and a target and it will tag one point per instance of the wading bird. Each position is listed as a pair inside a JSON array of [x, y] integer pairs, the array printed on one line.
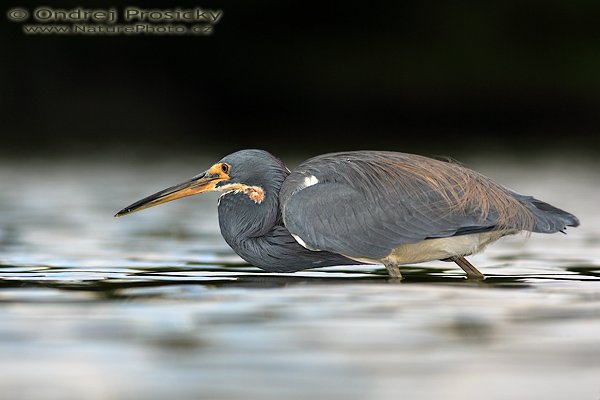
[[361, 207]]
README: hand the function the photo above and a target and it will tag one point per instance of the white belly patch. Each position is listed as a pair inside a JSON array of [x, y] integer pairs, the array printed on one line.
[[437, 249]]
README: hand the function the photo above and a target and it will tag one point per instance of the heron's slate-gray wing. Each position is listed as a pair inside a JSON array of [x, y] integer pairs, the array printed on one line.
[[364, 204]]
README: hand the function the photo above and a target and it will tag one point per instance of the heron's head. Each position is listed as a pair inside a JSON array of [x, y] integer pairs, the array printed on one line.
[[255, 173]]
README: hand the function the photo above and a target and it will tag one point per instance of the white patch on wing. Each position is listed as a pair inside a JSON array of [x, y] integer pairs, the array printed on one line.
[[310, 180], [300, 241], [307, 182], [303, 243]]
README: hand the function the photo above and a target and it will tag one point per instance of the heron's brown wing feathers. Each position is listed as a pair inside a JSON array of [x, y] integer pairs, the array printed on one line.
[[364, 204]]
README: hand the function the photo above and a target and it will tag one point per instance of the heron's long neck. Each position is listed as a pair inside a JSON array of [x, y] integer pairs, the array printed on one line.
[[250, 228], [241, 218]]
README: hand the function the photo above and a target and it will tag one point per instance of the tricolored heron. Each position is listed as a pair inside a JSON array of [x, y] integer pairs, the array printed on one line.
[[360, 207]]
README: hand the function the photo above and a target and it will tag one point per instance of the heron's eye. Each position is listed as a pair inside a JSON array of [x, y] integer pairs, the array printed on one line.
[[225, 168]]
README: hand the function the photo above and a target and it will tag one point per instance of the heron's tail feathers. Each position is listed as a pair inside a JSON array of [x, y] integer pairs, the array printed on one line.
[[548, 219]]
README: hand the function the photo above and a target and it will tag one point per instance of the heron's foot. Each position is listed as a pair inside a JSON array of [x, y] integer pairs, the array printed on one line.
[[472, 272], [394, 271]]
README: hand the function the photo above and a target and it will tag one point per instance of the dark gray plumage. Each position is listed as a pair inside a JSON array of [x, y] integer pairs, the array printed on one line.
[[360, 207], [256, 231]]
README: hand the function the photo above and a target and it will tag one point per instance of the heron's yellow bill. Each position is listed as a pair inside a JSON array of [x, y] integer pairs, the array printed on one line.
[[204, 182]]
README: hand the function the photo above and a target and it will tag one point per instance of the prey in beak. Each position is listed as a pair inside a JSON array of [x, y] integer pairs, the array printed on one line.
[[205, 182]]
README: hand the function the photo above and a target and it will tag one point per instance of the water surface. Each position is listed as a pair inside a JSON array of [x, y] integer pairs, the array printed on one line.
[[155, 305]]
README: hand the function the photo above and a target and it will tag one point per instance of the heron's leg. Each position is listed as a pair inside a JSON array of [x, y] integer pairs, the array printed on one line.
[[393, 270], [472, 272]]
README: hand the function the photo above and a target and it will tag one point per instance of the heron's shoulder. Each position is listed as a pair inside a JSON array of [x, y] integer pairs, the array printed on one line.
[[356, 169], [360, 157], [368, 166], [365, 158]]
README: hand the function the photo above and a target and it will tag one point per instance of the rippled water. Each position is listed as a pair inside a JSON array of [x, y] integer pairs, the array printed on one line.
[[155, 305]]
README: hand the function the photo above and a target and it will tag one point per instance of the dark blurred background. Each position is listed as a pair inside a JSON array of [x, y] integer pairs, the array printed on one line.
[[485, 77]]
